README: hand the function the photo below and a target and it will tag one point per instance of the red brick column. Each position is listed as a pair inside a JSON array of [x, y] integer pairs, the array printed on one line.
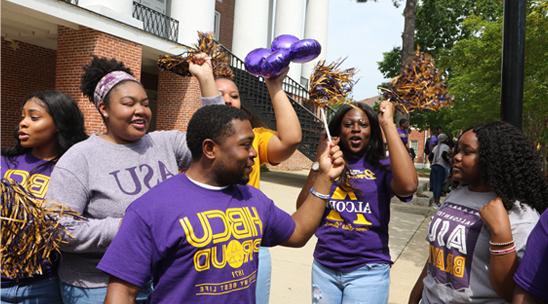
[[26, 68], [178, 99], [75, 49]]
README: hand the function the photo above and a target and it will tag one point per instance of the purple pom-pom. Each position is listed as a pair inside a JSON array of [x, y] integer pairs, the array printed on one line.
[[305, 50]]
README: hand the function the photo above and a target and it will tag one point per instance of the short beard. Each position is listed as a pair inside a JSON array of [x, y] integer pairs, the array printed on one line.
[[227, 179]]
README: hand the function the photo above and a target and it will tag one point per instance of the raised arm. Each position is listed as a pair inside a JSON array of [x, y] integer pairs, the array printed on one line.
[[404, 175], [282, 145], [309, 215], [202, 69], [312, 175]]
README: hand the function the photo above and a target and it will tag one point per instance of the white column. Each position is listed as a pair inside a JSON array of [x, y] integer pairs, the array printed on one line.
[[316, 28], [193, 16], [250, 26], [289, 19]]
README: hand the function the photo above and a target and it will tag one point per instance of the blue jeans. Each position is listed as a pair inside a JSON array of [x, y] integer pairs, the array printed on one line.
[[81, 295], [262, 290], [438, 174], [44, 291], [368, 284]]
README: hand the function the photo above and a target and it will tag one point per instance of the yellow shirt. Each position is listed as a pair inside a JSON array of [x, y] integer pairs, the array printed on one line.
[[260, 144]]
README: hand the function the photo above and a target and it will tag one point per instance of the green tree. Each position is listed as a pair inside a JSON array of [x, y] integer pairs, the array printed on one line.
[[475, 78]]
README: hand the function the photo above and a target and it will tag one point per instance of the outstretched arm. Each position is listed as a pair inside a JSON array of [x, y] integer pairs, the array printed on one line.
[[120, 292], [309, 215], [282, 145], [404, 175], [312, 175]]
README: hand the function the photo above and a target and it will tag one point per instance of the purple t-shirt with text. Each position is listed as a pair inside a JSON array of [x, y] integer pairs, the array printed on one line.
[[532, 273], [354, 229], [404, 135], [197, 245]]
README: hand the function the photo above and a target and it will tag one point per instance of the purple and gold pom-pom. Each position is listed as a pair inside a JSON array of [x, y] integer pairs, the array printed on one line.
[[30, 230], [420, 86], [331, 85]]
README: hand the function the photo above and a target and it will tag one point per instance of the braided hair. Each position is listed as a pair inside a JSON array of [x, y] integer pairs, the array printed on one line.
[[510, 165]]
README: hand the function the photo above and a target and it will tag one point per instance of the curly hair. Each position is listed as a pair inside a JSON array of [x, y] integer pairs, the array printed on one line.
[[510, 165], [97, 69], [68, 120], [211, 122]]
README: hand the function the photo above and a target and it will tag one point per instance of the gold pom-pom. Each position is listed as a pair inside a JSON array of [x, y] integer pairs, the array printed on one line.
[[206, 44], [30, 231], [330, 85], [420, 86]]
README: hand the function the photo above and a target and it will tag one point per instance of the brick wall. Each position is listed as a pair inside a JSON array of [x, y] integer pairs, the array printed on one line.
[[74, 50], [226, 8], [26, 68], [178, 99], [419, 137]]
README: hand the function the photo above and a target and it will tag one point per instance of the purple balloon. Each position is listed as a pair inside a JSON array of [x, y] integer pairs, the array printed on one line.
[[283, 42], [276, 62], [254, 61], [305, 50]]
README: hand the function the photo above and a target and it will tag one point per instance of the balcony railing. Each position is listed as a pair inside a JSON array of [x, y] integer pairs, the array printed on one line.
[[156, 23]]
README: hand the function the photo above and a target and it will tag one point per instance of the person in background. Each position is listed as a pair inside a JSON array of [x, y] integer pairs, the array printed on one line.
[[403, 131], [50, 124], [439, 171], [100, 176], [272, 148]]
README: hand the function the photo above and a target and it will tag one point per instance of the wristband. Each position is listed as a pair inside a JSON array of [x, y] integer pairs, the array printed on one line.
[[502, 251], [501, 244], [318, 194]]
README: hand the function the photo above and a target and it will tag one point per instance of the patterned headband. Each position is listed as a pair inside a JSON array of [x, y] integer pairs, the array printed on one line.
[[107, 83]]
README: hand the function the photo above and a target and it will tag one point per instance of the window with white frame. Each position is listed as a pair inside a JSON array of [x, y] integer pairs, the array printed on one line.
[[217, 25]]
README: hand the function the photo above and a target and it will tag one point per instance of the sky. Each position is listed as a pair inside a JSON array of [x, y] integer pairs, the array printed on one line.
[[362, 32]]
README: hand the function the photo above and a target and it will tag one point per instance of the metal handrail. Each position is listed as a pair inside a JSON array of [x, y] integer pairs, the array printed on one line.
[[156, 23]]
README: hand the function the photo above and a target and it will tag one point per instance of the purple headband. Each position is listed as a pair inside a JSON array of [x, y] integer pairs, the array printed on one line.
[[107, 83]]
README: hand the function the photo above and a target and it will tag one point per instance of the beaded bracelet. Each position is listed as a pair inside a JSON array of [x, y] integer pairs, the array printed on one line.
[[501, 244], [502, 251], [318, 194]]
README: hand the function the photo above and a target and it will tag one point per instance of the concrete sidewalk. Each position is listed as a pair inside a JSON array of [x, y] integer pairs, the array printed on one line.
[[291, 267]]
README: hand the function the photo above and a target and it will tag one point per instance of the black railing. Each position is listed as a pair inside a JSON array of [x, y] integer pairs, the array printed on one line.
[[73, 2], [156, 23], [255, 99]]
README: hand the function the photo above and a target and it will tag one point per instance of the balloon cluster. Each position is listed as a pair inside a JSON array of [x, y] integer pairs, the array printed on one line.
[[179, 64], [420, 86], [285, 48]]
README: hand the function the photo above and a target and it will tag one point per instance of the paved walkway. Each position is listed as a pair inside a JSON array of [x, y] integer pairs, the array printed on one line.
[[291, 267]]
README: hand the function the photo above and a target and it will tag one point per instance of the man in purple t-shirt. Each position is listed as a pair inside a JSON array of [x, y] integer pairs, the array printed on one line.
[[197, 235], [532, 275]]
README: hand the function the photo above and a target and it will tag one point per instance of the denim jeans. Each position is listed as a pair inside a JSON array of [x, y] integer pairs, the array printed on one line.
[[44, 291], [438, 175], [81, 295], [264, 272], [367, 284]]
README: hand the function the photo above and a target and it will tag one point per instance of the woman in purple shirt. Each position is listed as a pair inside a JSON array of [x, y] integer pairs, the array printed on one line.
[[50, 124], [351, 259]]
